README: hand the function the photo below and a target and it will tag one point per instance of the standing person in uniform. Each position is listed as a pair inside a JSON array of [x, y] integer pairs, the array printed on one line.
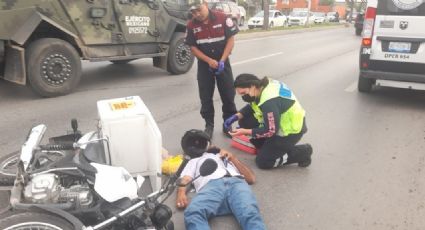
[[274, 119], [210, 35]]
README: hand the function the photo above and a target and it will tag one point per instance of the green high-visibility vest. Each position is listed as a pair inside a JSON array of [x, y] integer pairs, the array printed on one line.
[[291, 121]]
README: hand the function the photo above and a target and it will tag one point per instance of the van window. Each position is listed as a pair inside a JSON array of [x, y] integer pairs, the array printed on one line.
[[397, 7]]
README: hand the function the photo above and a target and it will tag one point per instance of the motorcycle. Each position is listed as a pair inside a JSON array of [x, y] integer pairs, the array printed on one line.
[[66, 185]]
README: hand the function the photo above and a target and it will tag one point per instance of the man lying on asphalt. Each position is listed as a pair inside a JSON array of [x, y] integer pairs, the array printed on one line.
[[224, 192]]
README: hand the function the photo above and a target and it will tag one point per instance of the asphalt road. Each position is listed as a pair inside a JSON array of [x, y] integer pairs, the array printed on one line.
[[369, 149]]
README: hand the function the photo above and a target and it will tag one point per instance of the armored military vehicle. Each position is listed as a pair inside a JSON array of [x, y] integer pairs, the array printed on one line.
[[42, 42]]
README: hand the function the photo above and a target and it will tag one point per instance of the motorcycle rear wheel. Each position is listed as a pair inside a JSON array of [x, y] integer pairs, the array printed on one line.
[[32, 220]]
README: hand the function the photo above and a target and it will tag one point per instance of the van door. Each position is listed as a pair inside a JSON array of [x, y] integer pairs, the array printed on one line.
[[399, 34]]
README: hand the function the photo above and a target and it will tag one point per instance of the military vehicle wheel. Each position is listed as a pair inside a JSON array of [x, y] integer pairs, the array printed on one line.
[[53, 67], [122, 62], [180, 58], [32, 220]]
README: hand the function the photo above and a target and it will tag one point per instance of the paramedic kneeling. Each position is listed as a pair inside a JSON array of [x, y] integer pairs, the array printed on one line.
[[274, 119]]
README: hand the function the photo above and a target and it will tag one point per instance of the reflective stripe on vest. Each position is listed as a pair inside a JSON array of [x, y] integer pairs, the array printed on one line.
[[291, 121]]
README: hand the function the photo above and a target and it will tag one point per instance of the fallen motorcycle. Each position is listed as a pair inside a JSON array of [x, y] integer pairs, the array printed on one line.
[[65, 185]]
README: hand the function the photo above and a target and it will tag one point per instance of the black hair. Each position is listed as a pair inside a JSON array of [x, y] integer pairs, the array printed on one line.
[[194, 143], [246, 80]]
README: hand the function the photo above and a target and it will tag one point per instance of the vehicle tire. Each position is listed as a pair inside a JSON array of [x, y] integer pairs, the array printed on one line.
[[32, 220], [121, 62], [53, 67], [8, 167], [242, 21], [250, 27], [271, 25], [358, 32], [180, 57], [365, 84]]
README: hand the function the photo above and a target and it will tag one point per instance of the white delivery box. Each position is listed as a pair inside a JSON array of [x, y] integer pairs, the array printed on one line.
[[135, 141]]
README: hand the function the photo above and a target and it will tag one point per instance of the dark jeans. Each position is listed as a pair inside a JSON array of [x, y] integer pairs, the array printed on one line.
[[271, 150], [206, 86]]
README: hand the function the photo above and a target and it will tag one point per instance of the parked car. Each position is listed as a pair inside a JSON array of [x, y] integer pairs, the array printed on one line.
[[358, 23], [243, 15], [228, 8], [353, 16], [319, 17], [392, 52], [332, 16], [276, 18], [300, 18]]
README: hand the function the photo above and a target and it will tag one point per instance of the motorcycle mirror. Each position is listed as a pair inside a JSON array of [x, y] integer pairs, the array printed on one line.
[[74, 125]]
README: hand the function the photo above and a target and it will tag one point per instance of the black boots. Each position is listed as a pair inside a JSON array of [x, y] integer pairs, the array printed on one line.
[[209, 129], [307, 151]]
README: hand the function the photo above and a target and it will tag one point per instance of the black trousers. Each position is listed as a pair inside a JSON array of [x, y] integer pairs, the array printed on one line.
[[271, 151], [206, 86]]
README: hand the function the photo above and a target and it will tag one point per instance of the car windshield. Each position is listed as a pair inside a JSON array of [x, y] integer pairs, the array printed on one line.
[[259, 14], [298, 14], [319, 14]]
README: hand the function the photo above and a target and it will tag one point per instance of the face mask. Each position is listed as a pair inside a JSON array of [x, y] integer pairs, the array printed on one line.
[[248, 98]]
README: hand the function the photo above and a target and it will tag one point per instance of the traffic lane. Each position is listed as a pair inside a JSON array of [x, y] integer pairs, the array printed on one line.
[[292, 52], [101, 80], [353, 136], [310, 83], [348, 185]]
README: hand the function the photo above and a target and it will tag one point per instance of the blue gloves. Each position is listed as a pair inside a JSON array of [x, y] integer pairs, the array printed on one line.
[[220, 68], [229, 121]]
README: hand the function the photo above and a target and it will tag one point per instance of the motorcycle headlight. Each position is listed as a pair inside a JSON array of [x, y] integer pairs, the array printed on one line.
[[161, 215]]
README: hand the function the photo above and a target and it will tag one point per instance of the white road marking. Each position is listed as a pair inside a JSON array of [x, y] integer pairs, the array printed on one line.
[[278, 37], [255, 59], [351, 88]]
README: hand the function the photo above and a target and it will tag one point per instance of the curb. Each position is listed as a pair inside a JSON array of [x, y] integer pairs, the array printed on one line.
[[260, 34]]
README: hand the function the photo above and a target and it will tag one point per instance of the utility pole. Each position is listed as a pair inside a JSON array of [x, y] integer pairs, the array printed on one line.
[[308, 13], [266, 14]]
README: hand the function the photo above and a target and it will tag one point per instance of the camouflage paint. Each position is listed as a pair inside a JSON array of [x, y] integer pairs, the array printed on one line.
[[92, 31], [138, 21]]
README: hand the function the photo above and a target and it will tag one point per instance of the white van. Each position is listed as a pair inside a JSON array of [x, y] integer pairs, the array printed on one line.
[[393, 46]]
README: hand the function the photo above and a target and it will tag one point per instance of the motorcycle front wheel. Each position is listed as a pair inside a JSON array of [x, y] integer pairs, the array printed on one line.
[[8, 167], [32, 220]]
